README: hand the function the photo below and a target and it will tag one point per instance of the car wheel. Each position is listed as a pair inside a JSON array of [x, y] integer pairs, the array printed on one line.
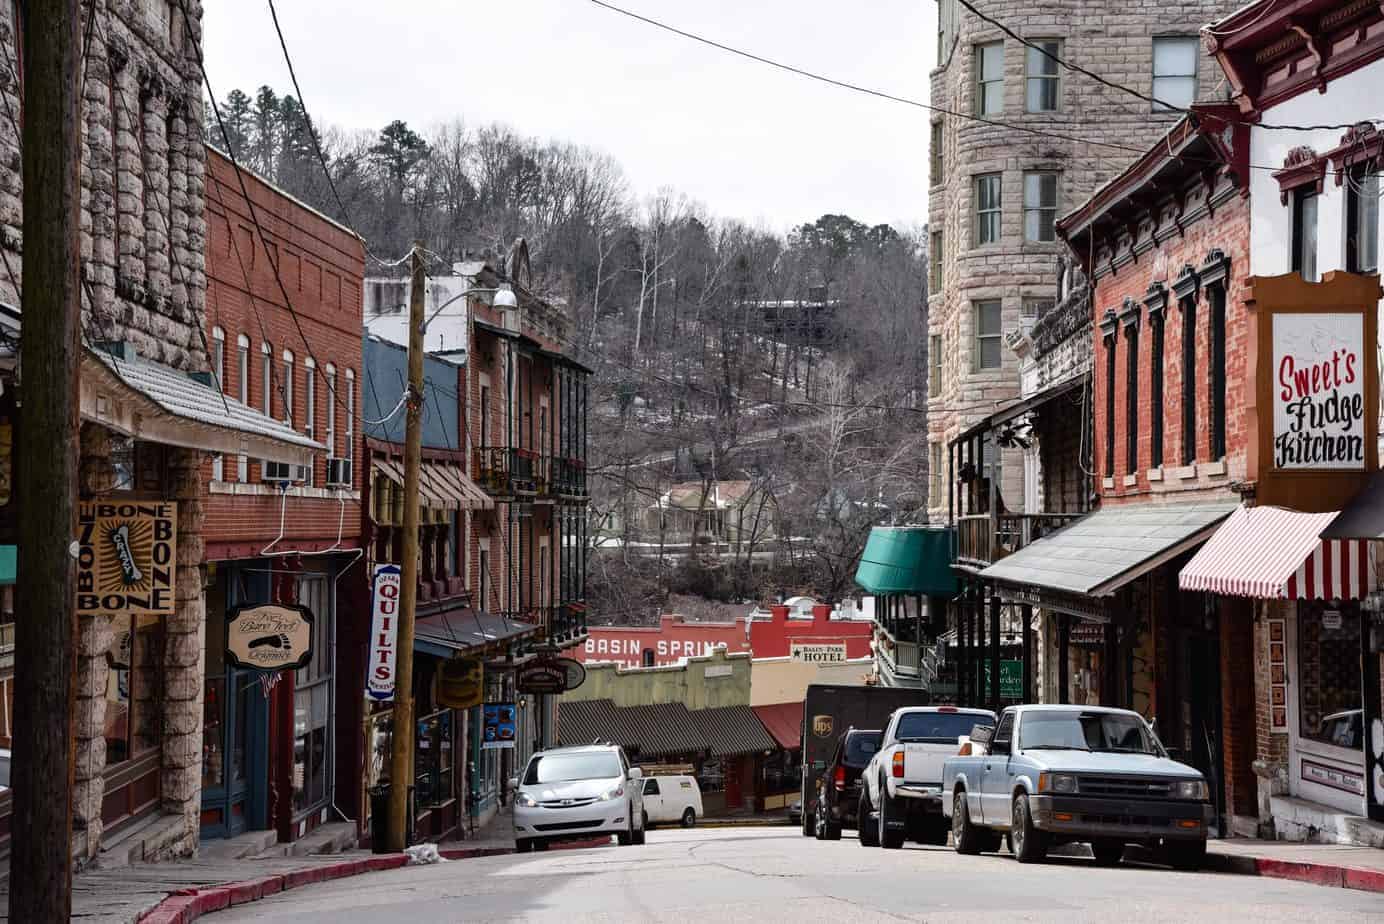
[[645, 817], [523, 845], [965, 837], [625, 838], [1187, 856], [889, 840], [1030, 844], [689, 818], [809, 824], [864, 824], [1108, 853], [637, 837]]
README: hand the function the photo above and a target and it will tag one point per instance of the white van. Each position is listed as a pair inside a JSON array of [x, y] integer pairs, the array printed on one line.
[[670, 799]]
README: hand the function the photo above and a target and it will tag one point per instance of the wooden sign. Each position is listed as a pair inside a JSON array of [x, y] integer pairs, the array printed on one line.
[[1314, 424], [127, 557], [459, 683], [269, 637], [550, 675]]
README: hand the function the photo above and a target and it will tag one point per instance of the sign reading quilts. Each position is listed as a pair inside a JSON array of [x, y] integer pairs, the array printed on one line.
[[127, 557], [1319, 398], [387, 587]]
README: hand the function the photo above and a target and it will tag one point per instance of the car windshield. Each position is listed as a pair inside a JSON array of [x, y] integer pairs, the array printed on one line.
[[938, 727], [555, 768], [1085, 731], [860, 747]]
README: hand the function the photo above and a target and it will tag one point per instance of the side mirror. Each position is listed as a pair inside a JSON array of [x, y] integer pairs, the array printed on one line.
[[514, 782], [636, 773]]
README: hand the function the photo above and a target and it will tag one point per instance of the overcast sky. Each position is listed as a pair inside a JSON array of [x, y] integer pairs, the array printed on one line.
[[746, 140]]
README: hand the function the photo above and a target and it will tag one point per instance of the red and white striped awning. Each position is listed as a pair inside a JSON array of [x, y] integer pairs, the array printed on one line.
[[1275, 554]]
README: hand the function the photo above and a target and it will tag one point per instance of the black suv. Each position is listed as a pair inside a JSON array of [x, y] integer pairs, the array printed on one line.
[[838, 791]]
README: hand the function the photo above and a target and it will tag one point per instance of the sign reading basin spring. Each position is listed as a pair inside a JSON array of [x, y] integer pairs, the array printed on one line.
[[384, 630], [1319, 391], [269, 637], [127, 557]]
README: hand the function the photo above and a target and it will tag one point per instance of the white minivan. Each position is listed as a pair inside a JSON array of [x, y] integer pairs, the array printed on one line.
[[672, 798]]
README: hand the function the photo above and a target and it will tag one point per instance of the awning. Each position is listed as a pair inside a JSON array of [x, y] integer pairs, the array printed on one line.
[[1100, 553], [1363, 517], [657, 730], [588, 721], [444, 635], [148, 401], [9, 564], [1277, 554], [907, 560], [733, 730], [784, 721], [440, 486]]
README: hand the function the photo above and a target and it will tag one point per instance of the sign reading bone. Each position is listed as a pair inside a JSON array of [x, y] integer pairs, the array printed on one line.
[[127, 557], [269, 637]]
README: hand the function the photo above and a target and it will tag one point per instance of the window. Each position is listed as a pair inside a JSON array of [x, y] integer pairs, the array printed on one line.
[[1189, 380], [134, 723], [934, 377], [311, 703], [348, 451], [1362, 217], [990, 78], [483, 575], [935, 150], [989, 205], [1110, 406], [936, 475], [1156, 391], [988, 316], [288, 387], [1086, 731], [1132, 398], [936, 727], [1305, 232], [331, 411], [1036, 307], [218, 371], [1004, 733], [266, 376], [485, 411], [1040, 207], [1216, 296], [934, 276], [242, 466], [1329, 690], [1041, 76], [1175, 71], [309, 395]]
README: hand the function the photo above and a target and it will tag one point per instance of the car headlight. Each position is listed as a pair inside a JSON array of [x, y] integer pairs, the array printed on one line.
[[1190, 789], [1064, 783], [613, 793], [526, 800]]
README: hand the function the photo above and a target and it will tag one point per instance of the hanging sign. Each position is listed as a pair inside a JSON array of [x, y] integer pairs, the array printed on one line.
[[127, 557], [459, 683], [1319, 395], [384, 630], [550, 675], [498, 726], [269, 637]]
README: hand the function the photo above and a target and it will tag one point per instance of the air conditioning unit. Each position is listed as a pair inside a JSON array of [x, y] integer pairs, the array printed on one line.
[[339, 472], [283, 471]]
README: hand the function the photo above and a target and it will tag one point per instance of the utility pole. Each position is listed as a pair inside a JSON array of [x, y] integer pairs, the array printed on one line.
[[46, 623], [401, 759]]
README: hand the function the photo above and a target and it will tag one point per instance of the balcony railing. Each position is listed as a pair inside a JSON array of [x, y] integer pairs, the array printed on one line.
[[978, 544], [909, 659], [563, 625], [568, 477]]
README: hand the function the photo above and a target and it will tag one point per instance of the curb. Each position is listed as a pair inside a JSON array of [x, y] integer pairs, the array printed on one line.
[[1322, 874], [187, 905]]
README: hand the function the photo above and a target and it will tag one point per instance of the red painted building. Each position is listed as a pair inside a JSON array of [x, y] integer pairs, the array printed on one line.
[[283, 329]]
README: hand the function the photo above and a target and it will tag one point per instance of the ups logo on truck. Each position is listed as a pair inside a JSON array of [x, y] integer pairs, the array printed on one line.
[[821, 725]]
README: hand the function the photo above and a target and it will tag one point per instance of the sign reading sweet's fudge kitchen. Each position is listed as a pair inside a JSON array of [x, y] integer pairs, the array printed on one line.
[[1319, 399]]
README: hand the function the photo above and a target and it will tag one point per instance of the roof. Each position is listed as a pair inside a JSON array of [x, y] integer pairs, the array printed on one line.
[[688, 494], [1101, 552], [1022, 406], [444, 634], [280, 191], [587, 720], [733, 730], [784, 722], [193, 415], [907, 560], [649, 731], [1363, 517]]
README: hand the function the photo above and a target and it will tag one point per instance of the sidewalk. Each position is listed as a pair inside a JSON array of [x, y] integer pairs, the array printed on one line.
[[1320, 864]]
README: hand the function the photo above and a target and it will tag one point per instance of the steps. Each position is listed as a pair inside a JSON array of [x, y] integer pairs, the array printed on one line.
[[1300, 820]]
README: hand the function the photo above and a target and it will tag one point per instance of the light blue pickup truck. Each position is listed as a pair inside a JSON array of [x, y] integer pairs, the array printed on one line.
[[1053, 775]]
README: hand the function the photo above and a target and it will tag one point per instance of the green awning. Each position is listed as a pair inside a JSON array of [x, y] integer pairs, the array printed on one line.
[[907, 560], [9, 564]]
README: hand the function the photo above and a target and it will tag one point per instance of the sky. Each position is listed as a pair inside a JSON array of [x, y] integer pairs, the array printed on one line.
[[743, 139]]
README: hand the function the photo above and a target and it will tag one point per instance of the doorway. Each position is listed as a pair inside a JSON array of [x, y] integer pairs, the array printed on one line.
[[1200, 735]]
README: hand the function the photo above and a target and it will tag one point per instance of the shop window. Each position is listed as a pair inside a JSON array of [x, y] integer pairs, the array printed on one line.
[[311, 703], [1305, 201], [712, 776], [1329, 696], [1041, 76], [1175, 71], [1362, 217], [134, 688], [434, 759], [990, 78]]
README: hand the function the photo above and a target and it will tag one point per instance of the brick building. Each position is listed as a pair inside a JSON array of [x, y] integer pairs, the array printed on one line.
[[283, 327], [148, 415]]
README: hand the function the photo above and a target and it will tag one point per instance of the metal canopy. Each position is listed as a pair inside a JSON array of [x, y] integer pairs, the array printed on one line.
[[445, 634], [1363, 517], [1100, 553], [907, 560]]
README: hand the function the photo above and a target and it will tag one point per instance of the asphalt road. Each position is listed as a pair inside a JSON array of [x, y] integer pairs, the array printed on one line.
[[775, 874]]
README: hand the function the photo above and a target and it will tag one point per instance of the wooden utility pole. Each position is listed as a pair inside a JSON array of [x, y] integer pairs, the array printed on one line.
[[401, 760], [46, 623]]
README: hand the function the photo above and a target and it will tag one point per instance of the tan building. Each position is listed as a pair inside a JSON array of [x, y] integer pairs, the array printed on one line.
[[785, 680], [707, 682]]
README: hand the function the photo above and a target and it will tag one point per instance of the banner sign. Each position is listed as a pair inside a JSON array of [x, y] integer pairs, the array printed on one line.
[[1011, 679], [127, 557], [384, 630], [550, 675], [1319, 390], [269, 637], [818, 654], [459, 683], [498, 726]]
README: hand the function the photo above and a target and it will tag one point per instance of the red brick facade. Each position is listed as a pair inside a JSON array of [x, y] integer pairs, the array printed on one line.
[[322, 267]]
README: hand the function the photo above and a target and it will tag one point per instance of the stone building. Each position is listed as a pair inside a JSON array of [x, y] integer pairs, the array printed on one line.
[[997, 189], [148, 413]]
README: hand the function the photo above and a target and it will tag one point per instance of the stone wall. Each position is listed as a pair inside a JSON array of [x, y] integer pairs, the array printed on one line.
[[1114, 40]]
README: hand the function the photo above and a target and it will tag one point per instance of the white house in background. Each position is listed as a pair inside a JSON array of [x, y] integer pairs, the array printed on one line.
[[385, 307]]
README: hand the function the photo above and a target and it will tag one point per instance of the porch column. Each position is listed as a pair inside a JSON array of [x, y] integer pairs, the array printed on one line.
[[994, 649], [1064, 695], [1026, 614]]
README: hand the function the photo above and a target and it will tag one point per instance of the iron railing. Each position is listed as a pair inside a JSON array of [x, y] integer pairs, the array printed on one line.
[[981, 541]]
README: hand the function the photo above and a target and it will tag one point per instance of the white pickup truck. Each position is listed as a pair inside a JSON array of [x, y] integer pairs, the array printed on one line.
[[901, 791]]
